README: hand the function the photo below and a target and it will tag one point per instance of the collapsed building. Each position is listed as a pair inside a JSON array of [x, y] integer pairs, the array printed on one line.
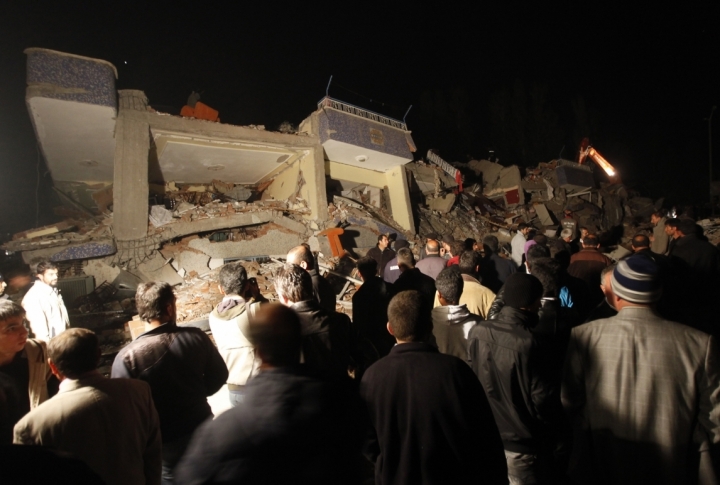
[[151, 196]]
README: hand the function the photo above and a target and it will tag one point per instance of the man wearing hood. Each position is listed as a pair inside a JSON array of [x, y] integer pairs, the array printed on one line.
[[451, 320], [229, 323], [507, 359]]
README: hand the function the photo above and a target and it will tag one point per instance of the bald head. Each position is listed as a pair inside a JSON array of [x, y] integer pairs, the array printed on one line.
[[432, 247], [275, 332], [302, 256]]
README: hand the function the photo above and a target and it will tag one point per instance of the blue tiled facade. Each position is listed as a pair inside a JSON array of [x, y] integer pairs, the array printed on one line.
[[354, 130], [81, 80]]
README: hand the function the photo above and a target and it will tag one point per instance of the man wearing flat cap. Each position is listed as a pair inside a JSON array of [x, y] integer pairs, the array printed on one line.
[[642, 391]]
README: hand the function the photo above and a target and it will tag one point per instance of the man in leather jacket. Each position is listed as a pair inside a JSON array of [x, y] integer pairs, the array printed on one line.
[[513, 369]]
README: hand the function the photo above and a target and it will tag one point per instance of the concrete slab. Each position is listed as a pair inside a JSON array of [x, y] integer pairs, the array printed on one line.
[[101, 271], [442, 204], [193, 261], [158, 269], [288, 223], [273, 242]]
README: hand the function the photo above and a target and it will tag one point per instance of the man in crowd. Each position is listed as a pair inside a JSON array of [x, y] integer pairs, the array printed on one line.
[[642, 390], [26, 376], [111, 424], [432, 263], [392, 270], [330, 341], [44, 305], [660, 239], [322, 289], [412, 279], [514, 371], [430, 415], [569, 222], [587, 265], [381, 253], [476, 296], [564, 244], [371, 300], [181, 364], [672, 234], [494, 269], [451, 320], [3, 286], [291, 427], [518, 243], [228, 324]]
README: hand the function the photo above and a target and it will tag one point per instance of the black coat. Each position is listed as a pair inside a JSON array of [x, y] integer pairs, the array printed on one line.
[[516, 374], [291, 428], [370, 304], [323, 291], [432, 422], [330, 341]]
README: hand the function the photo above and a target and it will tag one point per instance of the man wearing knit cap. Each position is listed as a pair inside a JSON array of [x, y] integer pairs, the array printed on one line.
[[642, 391], [507, 359]]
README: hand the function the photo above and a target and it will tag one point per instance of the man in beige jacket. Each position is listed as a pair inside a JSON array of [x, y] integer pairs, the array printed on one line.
[[110, 424]]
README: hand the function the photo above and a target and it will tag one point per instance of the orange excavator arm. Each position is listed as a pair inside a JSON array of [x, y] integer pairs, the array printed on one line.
[[587, 151]]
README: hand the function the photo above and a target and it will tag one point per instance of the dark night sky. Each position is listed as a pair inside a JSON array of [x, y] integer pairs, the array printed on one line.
[[647, 77]]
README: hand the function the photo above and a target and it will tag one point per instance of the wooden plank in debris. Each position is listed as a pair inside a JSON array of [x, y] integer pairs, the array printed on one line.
[[44, 231]]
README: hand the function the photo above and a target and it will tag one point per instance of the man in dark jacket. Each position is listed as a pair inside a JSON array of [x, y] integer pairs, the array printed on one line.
[[382, 253], [412, 279], [181, 364], [291, 427], [322, 289], [694, 286], [494, 269], [508, 361], [451, 320], [330, 341], [370, 303], [587, 266], [431, 419]]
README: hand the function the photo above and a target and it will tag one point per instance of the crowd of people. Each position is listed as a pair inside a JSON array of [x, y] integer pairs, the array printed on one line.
[[550, 365]]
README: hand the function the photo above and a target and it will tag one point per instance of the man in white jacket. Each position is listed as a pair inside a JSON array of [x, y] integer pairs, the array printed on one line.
[[44, 306]]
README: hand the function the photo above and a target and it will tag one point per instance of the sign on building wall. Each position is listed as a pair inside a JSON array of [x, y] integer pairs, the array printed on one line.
[[377, 137]]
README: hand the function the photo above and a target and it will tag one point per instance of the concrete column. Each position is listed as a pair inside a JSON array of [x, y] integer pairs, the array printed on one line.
[[400, 197], [313, 168], [130, 180]]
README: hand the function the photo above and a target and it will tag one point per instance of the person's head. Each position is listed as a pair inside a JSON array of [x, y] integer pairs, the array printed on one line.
[[382, 241], [469, 263], [590, 241], [568, 213], [275, 333], [367, 267], [407, 319], [635, 282], [686, 227], [13, 333], [584, 232], [656, 216], [405, 259], [47, 272], [457, 248], [155, 302], [302, 256], [432, 247], [3, 285], [392, 237], [671, 227], [524, 228], [449, 285], [547, 270], [606, 282], [470, 244], [490, 245], [293, 284], [447, 242], [540, 239], [401, 243], [74, 352], [233, 279], [523, 291], [566, 235], [536, 251], [640, 242]]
